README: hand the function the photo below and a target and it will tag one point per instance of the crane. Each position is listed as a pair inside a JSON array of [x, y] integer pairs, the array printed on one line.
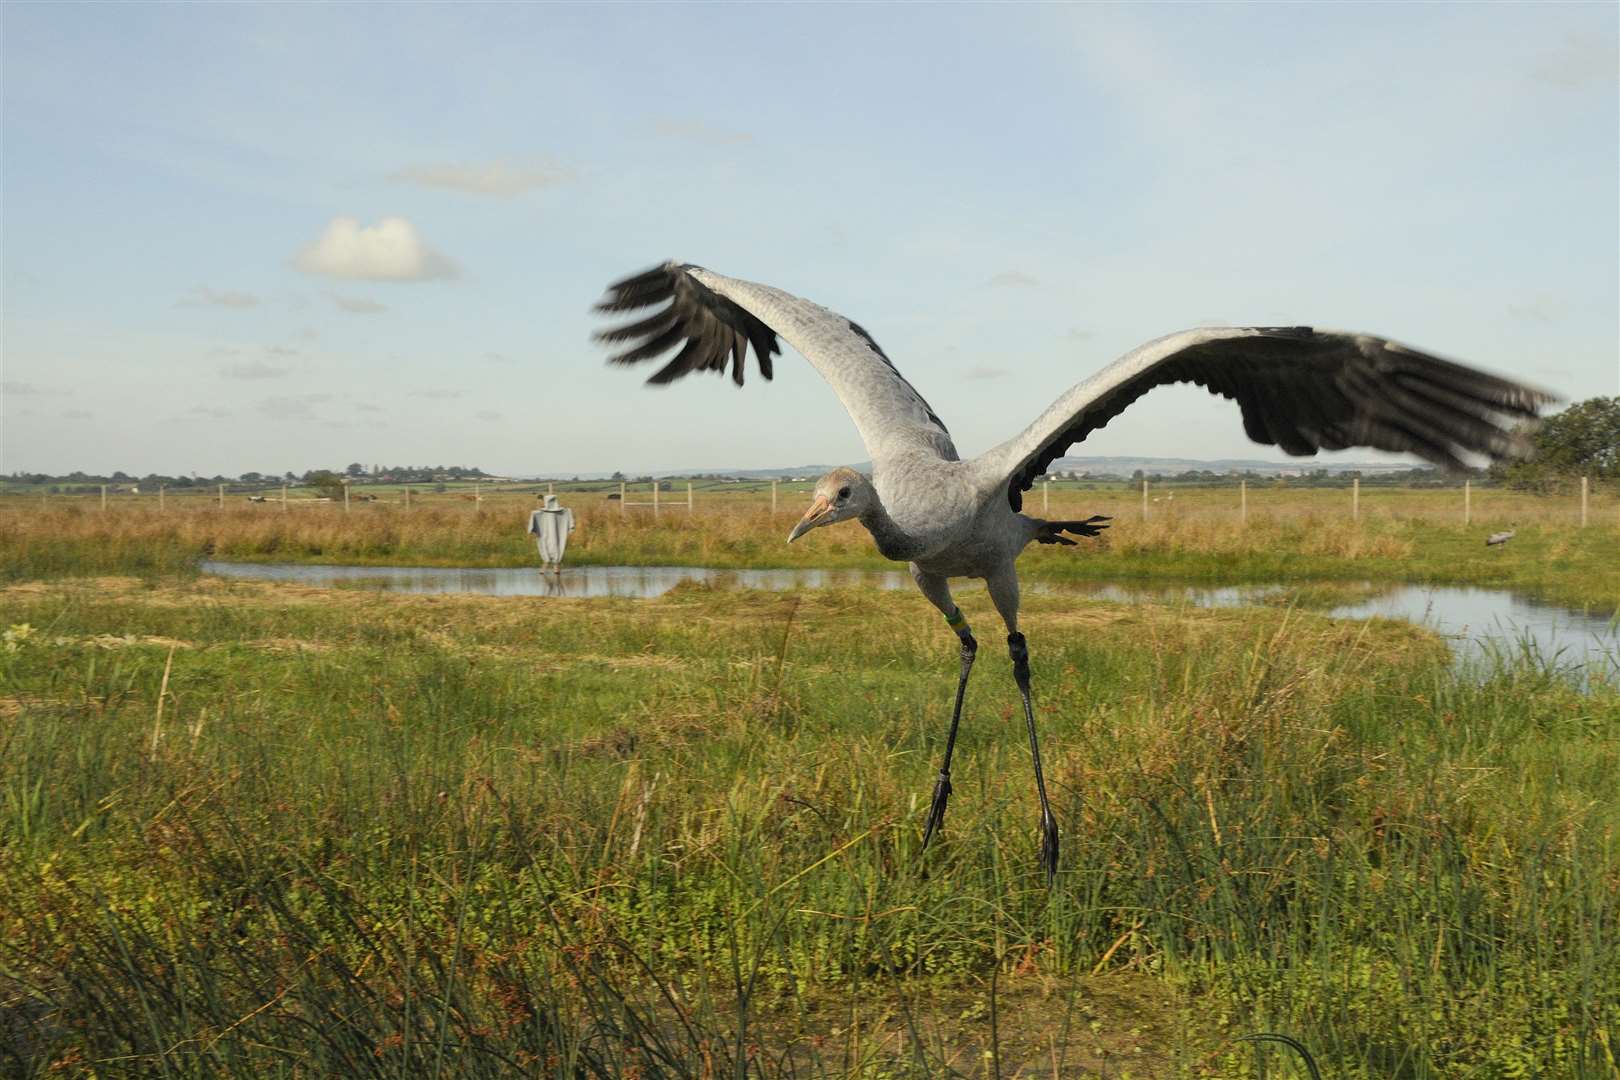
[[1298, 388]]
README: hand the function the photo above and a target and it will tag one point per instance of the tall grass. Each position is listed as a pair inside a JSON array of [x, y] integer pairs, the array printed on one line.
[[1297, 536], [461, 835]]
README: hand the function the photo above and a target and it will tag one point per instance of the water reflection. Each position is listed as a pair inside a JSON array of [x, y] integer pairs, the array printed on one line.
[[582, 581], [1478, 621]]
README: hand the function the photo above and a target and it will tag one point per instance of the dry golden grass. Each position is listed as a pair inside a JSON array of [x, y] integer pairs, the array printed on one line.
[[1188, 533]]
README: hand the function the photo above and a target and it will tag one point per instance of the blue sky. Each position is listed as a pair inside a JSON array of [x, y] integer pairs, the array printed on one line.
[[282, 237]]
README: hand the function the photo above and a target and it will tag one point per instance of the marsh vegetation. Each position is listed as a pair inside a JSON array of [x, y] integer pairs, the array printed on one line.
[[261, 829], [1194, 534]]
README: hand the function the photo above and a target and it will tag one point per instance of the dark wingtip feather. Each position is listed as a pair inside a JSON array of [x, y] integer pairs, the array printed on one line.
[[640, 290], [716, 330]]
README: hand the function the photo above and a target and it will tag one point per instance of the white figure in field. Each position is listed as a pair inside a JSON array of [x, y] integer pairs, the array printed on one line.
[[550, 526]]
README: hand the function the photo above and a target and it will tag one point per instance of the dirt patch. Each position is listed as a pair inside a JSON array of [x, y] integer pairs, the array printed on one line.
[[125, 641], [1027, 1026], [12, 705]]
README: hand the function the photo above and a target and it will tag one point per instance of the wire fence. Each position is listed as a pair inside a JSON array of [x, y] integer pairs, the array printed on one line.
[[1584, 502]]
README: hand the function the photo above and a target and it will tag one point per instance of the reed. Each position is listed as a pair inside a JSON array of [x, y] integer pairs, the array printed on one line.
[[451, 835]]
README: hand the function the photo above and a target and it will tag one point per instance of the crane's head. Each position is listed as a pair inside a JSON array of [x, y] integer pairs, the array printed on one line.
[[840, 495]]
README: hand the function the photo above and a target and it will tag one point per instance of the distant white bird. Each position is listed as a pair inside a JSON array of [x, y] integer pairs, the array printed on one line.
[[1498, 539], [1297, 388]]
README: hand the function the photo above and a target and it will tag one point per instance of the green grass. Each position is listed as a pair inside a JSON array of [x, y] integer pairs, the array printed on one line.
[[384, 835]]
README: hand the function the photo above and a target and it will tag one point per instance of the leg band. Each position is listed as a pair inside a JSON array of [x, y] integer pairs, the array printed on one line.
[[1020, 659], [955, 620], [1017, 647]]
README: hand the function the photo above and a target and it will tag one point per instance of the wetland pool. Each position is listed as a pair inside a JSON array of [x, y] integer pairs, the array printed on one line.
[[1477, 621]]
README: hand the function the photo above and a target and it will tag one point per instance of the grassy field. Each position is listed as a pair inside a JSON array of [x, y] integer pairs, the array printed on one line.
[[259, 830], [1289, 535]]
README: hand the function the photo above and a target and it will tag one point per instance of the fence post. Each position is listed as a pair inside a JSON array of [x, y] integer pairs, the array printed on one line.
[[1144, 496], [283, 498], [222, 496], [773, 496], [689, 496], [1468, 502], [104, 493], [655, 498], [1583, 502], [1046, 497], [345, 496], [551, 488], [621, 498], [160, 498], [1243, 502], [1355, 498]]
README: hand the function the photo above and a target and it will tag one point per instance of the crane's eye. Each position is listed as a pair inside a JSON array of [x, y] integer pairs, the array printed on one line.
[[843, 493]]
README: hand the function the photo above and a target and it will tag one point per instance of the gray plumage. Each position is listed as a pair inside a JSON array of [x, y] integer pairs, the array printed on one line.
[[1498, 539], [1296, 388]]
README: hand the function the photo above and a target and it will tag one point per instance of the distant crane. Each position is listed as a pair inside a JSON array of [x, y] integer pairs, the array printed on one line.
[[1297, 388], [1498, 539]]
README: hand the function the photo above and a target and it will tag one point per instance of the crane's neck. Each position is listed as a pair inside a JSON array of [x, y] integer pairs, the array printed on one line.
[[892, 541]]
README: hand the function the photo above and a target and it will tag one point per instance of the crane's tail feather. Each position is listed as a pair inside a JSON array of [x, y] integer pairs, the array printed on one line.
[[1051, 532]]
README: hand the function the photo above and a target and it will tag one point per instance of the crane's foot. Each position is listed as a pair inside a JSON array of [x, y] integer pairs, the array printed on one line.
[[936, 810], [1049, 847]]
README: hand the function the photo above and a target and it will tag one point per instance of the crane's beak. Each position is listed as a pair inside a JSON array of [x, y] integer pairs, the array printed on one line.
[[816, 515]]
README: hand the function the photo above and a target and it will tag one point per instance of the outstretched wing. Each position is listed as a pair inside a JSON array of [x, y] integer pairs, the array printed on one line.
[[1301, 389], [715, 320]]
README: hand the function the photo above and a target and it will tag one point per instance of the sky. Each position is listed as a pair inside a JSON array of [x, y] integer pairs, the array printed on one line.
[[270, 237]]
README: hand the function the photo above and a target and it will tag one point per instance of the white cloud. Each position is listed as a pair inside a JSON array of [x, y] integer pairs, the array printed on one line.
[[293, 407], [697, 131], [13, 388], [1539, 307], [203, 296], [356, 305], [1014, 279], [497, 178], [253, 370], [390, 250], [1584, 59]]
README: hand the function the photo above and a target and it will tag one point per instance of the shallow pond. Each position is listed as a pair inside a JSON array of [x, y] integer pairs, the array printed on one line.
[[1477, 620]]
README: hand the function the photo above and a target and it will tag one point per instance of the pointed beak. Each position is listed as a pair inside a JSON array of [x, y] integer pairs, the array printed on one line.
[[813, 517]]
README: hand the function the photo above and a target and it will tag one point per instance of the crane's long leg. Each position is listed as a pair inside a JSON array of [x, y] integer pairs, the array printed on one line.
[[939, 593], [1049, 830], [1004, 592], [942, 786]]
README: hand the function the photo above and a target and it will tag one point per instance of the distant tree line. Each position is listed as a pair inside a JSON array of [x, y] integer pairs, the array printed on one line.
[[1583, 440], [1421, 476], [74, 483]]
